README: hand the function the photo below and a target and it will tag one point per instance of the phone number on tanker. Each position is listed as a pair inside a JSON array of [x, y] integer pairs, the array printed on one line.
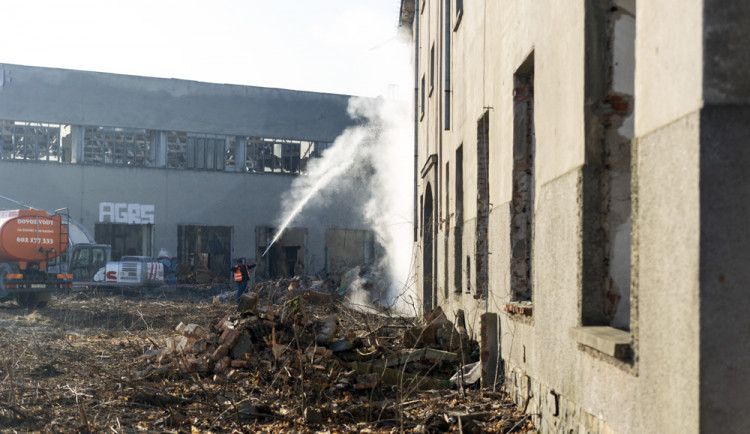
[[35, 240]]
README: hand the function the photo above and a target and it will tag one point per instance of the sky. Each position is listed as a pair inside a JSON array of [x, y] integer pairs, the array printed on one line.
[[335, 46]]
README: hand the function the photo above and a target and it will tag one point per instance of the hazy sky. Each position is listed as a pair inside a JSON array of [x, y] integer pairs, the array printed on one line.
[[337, 46]]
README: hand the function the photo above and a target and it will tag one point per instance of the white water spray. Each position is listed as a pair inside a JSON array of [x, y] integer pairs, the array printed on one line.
[[380, 153], [381, 148], [334, 162]]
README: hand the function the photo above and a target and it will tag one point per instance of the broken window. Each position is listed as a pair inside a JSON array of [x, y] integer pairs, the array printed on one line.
[[229, 154], [33, 141], [281, 155], [483, 204], [125, 239], [205, 249], [176, 150], [138, 147], [320, 147], [286, 257], [117, 146], [522, 203]]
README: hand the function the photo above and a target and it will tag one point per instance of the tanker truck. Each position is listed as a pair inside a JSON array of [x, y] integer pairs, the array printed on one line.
[[31, 241]]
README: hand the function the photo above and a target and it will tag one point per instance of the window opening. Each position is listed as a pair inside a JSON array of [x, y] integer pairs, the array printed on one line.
[[522, 203], [348, 248], [432, 68], [118, 146], [204, 252], [428, 291], [483, 204], [459, 13], [32, 141], [446, 238], [176, 150], [458, 240], [422, 100], [618, 135], [447, 67], [606, 178], [286, 257], [125, 239]]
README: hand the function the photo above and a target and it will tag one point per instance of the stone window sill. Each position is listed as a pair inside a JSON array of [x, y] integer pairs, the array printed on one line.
[[607, 340], [520, 308]]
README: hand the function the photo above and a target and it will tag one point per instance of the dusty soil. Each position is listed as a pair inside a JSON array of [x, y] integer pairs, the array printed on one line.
[[76, 366]]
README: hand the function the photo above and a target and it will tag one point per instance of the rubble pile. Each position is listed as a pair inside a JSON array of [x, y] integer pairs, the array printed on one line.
[[296, 352]]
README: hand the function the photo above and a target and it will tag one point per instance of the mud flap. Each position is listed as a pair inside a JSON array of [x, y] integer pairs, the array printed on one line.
[[4, 269]]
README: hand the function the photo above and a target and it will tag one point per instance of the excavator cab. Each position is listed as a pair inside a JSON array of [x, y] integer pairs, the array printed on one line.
[[87, 259]]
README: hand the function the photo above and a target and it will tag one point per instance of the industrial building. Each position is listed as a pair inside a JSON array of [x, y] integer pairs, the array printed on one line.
[[582, 196], [193, 170]]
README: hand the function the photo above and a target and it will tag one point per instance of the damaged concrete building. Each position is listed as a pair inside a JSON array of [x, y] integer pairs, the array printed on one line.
[[582, 199], [194, 169]]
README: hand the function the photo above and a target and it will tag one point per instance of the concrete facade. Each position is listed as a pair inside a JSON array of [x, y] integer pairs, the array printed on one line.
[[615, 132], [235, 195]]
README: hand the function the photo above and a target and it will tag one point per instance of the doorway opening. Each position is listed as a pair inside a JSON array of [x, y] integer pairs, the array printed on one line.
[[126, 240], [286, 257]]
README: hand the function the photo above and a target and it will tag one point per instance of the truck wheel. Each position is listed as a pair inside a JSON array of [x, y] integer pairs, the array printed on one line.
[[34, 299]]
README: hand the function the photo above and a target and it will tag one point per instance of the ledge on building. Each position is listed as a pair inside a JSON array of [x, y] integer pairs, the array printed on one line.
[[522, 308], [608, 340]]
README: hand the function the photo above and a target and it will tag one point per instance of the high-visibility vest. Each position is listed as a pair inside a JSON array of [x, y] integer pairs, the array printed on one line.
[[238, 274]]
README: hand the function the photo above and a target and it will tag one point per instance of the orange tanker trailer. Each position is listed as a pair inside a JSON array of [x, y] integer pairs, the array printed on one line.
[[30, 241]]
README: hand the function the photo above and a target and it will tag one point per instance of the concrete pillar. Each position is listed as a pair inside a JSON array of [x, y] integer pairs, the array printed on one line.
[[159, 149], [489, 348], [724, 210], [724, 275], [76, 150], [240, 154]]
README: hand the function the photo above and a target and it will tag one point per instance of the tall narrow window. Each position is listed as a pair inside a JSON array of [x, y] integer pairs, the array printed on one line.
[[606, 208], [459, 13], [522, 203], [432, 68], [447, 67], [428, 228], [618, 135], [422, 98], [483, 204], [458, 239], [446, 238]]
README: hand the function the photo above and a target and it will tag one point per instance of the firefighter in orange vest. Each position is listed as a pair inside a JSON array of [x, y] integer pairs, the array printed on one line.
[[241, 273]]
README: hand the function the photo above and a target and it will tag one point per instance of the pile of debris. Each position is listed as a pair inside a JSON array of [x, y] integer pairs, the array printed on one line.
[[295, 351], [393, 354]]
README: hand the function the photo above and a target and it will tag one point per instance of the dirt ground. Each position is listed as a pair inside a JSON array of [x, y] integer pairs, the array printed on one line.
[[85, 363]]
